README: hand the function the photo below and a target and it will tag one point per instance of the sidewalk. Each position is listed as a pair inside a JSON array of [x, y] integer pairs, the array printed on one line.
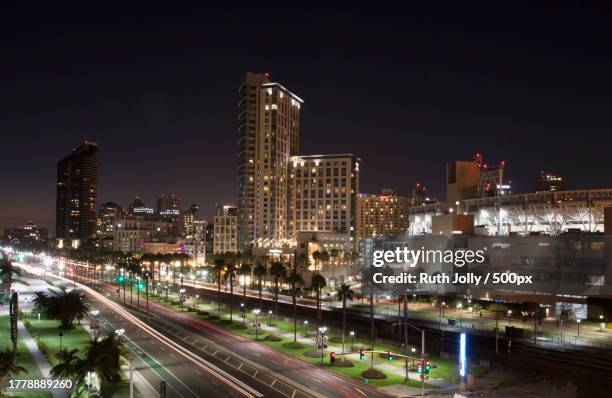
[[39, 358]]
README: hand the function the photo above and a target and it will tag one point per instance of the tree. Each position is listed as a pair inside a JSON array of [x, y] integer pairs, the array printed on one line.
[[317, 284], [278, 271], [218, 266], [68, 365], [6, 274], [344, 293], [245, 270], [63, 306], [230, 274], [101, 357], [316, 256], [8, 365], [295, 279], [260, 271]]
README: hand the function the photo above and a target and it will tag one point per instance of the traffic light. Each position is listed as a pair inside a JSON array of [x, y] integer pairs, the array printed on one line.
[[332, 357], [420, 370], [361, 354], [121, 278], [427, 367], [140, 286], [389, 356]]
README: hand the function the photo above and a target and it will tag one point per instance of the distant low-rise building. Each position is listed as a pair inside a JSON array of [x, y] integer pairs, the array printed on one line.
[[28, 235], [382, 214], [133, 232]]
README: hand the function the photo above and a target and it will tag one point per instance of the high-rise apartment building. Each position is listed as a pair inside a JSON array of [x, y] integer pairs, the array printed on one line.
[[383, 214], [323, 194], [268, 134], [77, 193], [225, 237]]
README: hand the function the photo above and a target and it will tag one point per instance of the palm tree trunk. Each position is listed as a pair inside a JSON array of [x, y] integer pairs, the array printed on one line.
[[294, 315], [260, 298], [231, 297], [372, 321], [343, 320]]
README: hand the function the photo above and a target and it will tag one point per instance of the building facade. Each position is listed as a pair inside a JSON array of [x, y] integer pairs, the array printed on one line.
[[323, 194], [225, 229], [189, 216], [382, 214], [109, 214], [28, 235], [133, 232], [550, 182], [77, 193], [268, 134]]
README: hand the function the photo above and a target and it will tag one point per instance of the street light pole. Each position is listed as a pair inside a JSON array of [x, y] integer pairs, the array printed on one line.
[[578, 324]]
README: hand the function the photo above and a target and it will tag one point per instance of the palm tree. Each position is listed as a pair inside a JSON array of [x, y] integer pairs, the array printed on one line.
[[102, 357], [230, 274], [316, 256], [334, 254], [63, 306], [260, 271], [6, 274], [278, 271], [294, 278], [344, 293], [8, 366], [68, 365], [245, 269], [218, 265], [317, 284]]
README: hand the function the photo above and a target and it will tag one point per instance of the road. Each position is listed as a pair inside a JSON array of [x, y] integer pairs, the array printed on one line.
[[266, 371]]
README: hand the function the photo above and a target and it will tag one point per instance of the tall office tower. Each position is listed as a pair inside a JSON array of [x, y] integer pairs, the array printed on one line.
[[77, 193], [169, 206], [383, 214], [323, 194], [268, 134], [550, 182], [225, 239]]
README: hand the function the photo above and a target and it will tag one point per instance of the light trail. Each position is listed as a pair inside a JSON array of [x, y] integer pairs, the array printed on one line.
[[231, 381]]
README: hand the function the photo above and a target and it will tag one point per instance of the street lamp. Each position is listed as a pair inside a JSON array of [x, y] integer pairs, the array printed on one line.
[[243, 313], [602, 324], [322, 331], [578, 324], [256, 312], [352, 339], [305, 328], [459, 307], [197, 300], [270, 318], [509, 317], [94, 325]]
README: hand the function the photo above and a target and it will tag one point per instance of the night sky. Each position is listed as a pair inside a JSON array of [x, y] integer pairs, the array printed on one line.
[[404, 89]]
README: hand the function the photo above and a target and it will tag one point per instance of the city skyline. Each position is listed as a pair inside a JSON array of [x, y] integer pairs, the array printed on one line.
[[406, 94]]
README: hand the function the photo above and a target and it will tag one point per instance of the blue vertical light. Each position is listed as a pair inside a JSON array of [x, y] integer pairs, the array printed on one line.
[[462, 357]]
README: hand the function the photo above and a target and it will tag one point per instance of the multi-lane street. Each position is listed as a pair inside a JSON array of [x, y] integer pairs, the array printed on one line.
[[194, 356]]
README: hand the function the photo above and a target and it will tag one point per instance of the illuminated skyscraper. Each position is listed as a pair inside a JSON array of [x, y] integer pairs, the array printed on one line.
[[77, 193], [268, 134]]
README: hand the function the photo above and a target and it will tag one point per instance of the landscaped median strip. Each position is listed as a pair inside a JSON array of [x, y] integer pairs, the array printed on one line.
[[209, 313]]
